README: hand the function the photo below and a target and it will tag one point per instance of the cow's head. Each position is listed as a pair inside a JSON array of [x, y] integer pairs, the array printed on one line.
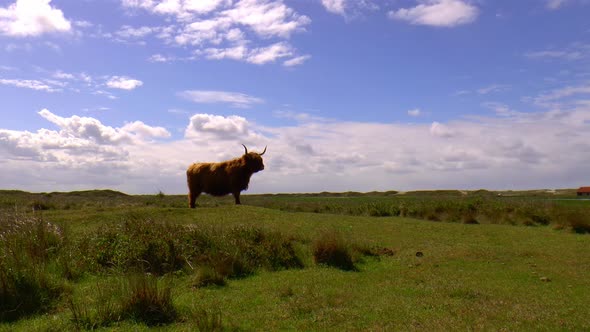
[[253, 160]]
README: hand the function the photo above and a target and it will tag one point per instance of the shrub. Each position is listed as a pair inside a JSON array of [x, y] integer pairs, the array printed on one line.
[[207, 321], [160, 248], [207, 276], [105, 310], [378, 210], [540, 219], [145, 301], [331, 250], [142, 245], [26, 289], [27, 247], [576, 220], [257, 248]]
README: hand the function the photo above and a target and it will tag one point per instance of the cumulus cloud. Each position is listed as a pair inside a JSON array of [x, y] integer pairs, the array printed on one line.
[[224, 29], [32, 18], [439, 13], [83, 153], [93, 130], [441, 130], [270, 53], [231, 127], [259, 56], [236, 99], [514, 151], [123, 83], [335, 6]]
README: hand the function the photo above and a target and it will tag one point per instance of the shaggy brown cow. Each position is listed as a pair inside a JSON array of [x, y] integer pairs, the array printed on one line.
[[220, 179]]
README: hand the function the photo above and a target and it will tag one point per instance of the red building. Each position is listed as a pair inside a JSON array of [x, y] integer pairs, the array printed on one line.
[[584, 191]]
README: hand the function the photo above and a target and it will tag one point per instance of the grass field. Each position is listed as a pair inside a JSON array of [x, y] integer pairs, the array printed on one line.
[[420, 261]]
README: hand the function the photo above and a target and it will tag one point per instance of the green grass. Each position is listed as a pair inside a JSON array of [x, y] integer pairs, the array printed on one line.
[[487, 276]]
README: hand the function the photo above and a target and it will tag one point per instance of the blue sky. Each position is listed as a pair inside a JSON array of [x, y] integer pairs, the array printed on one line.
[[347, 95]]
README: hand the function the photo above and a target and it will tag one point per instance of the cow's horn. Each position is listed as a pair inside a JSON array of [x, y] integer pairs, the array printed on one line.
[[263, 151], [245, 148]]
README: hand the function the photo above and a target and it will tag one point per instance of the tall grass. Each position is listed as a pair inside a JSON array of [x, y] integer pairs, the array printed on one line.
[[330, 249], [29, 282], [160, 248], [140, 298], [481, 207]]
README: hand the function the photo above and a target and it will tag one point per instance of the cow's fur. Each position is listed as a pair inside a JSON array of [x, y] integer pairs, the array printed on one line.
[[220, 179]]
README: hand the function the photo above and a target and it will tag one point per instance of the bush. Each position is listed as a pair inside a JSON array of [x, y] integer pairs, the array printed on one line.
[[331, 250], [27, 247], [208, 321], [207, 276], [160, 248], [145, 301], [137, 297], [576, 220], [142, 245]]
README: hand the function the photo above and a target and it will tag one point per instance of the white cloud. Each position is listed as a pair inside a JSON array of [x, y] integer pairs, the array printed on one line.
[[335, 6], [513, 151], [127, 31], [259, 56], [82, 154], [441, 130], [91, 129], [439, 13], [161, 58], [415, 112], [270, 53], [267, 18], [296, 61], [104, 93], [348, 8], [224, 29], [63, 75], [29, 84], [235, 53], [558, 97], [501, 109], [235, 99], [32, 18], [60, 81], [123, 83], [573, 52], [225, 128]]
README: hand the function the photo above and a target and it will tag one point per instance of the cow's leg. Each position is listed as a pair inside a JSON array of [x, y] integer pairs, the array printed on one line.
[[192, 197], [237, 197]]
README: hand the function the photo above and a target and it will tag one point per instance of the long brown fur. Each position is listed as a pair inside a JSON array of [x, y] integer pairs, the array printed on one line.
[[220, 179]]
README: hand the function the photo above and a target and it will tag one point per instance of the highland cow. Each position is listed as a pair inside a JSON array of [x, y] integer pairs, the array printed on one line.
[[220, 179]]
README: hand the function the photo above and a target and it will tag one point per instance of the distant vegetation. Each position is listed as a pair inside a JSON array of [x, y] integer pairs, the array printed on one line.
[[559, 208], [101, 259]]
